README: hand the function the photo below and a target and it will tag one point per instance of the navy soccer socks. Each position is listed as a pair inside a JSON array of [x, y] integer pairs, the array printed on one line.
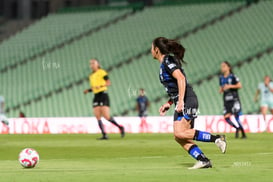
[[205, 136]]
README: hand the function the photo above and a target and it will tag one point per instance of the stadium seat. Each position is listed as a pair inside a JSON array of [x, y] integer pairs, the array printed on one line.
[[237, 37], [250, 75], [51, 31], [130, 37], [112, 45]]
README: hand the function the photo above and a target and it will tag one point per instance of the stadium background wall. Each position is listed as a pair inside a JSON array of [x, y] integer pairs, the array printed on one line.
[[80, 125]]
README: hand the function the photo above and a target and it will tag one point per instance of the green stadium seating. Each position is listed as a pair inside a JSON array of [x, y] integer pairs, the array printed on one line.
[[250, 75], [112, 45], [130, 37], [237, 37], [125, 85], [51, 31]]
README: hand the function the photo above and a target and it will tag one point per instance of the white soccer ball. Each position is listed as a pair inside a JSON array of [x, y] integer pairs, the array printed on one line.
[[28, 158]]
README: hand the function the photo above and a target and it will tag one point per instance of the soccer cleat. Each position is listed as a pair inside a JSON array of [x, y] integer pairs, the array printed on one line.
[[5, 122], [237, 133], [103, 138], [221, 143], [201, 164], [122, 131]]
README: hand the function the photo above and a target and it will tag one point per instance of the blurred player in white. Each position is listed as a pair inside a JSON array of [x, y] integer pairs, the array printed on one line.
[[265, 89], [3, 117]]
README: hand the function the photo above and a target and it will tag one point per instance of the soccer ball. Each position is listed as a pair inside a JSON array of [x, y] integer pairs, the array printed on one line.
[[28, 158]]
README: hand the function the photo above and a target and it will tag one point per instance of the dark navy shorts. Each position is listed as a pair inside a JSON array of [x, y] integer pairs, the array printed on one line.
[[190, 110], [101, 99], [232, 107]]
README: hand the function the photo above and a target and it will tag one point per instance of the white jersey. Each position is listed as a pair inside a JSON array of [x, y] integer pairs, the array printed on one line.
[[2, 101], [266, 94]]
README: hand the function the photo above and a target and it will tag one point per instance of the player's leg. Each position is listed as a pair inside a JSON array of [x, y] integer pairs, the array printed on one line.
[[236, 110], [181, 127], [183, 131], [264, 109], [228, 120], [271, 107], [97, 113], [141, 125], [271, 111], [4, 119], [184, 135], [107, 116], [237, 118], [227, 115], [145, 127]]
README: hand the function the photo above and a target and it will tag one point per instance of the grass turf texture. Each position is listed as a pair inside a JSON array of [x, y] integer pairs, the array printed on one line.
[[138, 157]]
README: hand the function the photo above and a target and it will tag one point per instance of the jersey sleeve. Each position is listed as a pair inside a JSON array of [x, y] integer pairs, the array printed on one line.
[[104, 75], [271, 85], [235, 79], [220, 81], [170, 64], [259, 86], [90, 78]]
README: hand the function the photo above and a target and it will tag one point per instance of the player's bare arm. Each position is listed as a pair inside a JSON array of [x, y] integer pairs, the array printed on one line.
[[256, 95], [181, 89]]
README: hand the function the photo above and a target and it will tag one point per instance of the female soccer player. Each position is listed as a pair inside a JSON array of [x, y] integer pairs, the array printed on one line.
[[266, 90], [99, 81], [229, 85], [3, 117], [170, 55]]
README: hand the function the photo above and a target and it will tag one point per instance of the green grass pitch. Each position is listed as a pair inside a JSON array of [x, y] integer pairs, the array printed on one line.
[[138, 157]]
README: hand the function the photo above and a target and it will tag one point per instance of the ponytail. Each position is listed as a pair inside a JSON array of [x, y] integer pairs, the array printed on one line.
[[170, 46]]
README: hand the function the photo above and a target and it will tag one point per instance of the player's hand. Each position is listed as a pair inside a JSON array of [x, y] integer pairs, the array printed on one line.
[[164, 108], [226, 87], [85, 91], [179, 107]]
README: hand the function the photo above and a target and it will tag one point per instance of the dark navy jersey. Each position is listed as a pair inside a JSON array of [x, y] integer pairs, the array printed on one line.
[[167, 67], [230, 94], [142, 102]]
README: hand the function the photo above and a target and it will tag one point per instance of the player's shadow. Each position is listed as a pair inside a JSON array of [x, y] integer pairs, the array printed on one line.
[[186, 164]]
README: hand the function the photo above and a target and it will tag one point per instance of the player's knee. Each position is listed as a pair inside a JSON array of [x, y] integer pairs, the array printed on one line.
[[178, 136], [178, 140], [107, 117], [227, 116], [98, 117]]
